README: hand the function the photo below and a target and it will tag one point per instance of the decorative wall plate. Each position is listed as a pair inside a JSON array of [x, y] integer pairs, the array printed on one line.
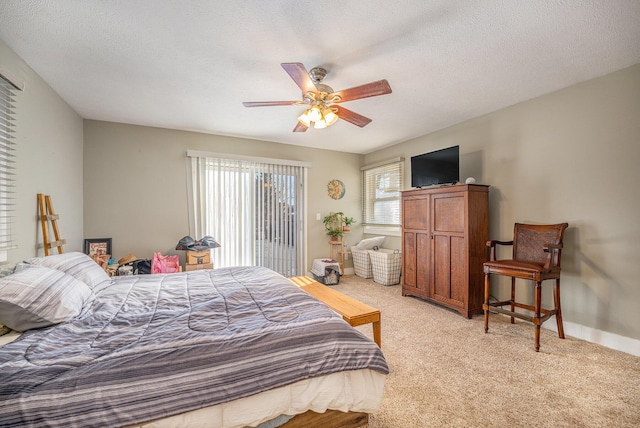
[[335, 189]]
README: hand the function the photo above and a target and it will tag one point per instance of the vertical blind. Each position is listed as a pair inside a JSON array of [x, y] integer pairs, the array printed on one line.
[[6, 166], [253, 209], [382, 184]]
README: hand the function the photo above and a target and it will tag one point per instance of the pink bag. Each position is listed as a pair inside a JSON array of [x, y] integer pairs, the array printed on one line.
[[164, 264]]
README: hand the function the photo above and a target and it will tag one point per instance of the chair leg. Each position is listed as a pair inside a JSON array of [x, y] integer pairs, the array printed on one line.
[[513, 297], [486, 302], [536, 319], [556, 300]]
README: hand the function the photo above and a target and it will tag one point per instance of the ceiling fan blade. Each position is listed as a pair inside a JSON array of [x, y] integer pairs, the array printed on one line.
[[372, 89], [268, 103], [352, 117], [300, 75], [300, 127]]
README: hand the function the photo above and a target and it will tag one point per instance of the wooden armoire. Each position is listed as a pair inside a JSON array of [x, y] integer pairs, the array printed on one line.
[[444, 235]]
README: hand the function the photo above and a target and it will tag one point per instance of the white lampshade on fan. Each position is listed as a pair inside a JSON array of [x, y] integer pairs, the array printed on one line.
[[304, 118], [329, 116], [315, 114], [320, 124]]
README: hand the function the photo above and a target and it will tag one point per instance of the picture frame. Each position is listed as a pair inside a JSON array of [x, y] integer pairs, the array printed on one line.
[[97, 246]]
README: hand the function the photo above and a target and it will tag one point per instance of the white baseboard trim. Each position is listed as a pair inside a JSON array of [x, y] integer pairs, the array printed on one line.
[[604, 338]]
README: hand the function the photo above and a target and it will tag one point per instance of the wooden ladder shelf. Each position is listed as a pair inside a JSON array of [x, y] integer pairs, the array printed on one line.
[[46, 214]]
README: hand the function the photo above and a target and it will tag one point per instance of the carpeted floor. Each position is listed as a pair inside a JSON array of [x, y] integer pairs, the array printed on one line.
[[445, 371]]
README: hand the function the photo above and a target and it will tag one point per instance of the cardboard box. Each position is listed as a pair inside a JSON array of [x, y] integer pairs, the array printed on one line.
[[200, 266], [198, 257]]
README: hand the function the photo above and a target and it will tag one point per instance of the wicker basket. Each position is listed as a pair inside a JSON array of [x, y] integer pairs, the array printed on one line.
[[386, 266], [361, 263]]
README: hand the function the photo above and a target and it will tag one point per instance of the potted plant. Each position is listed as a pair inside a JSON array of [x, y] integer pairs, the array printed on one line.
[[348, 221], [334, 234], [333, 225]]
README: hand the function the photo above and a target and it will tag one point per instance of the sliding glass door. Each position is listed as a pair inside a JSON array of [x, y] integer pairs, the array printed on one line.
[[253, 209]]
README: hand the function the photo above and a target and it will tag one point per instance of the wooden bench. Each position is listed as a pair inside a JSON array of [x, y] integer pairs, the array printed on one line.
[[354, 312]]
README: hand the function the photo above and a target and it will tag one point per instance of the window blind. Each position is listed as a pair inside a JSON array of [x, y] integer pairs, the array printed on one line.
[[6, 166], [382, 184], [255, 210]]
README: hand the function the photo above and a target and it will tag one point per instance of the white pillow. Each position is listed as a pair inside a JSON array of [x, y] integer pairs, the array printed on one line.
[[40, 297], [369, 243], [78, 265]]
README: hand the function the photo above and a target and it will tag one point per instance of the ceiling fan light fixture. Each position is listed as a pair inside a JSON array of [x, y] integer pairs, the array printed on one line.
[[318, 117]]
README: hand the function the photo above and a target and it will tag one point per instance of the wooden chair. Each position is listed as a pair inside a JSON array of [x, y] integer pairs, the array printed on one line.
[[536, 257]]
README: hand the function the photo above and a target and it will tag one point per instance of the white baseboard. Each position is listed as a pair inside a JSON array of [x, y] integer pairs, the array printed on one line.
[[604, 338]]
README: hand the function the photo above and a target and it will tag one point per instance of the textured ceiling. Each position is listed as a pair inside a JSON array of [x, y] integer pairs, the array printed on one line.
[[190, 64]]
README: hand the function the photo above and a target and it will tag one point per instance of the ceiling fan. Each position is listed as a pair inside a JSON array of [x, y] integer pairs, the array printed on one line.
[[322, 100]]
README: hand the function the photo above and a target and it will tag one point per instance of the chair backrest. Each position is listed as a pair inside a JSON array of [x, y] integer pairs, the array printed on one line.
[[529, 241]]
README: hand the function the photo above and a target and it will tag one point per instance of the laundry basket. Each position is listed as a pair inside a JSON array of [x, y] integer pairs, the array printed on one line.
[[361, 263], [386, 266]]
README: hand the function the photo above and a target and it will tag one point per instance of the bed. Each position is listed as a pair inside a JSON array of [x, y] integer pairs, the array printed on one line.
[[228, 347]]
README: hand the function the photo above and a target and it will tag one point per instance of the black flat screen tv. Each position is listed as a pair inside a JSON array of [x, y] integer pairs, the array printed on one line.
[[439, 167]]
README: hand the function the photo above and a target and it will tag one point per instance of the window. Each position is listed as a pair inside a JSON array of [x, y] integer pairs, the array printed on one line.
[[253, 207], [382, 184], [7, 90]]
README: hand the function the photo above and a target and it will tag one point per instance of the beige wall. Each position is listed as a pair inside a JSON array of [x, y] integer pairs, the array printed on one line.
[[136, 187], [49, 142], [568, 156]]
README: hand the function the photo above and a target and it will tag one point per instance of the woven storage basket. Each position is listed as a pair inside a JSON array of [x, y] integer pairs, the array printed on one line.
[[386, 266], [361, 263]]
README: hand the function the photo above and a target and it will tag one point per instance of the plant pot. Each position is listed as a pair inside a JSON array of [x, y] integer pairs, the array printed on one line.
[[335, 238], [346, 229]]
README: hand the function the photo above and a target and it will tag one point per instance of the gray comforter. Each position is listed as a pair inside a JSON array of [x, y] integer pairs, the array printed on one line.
[[152, 346]]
